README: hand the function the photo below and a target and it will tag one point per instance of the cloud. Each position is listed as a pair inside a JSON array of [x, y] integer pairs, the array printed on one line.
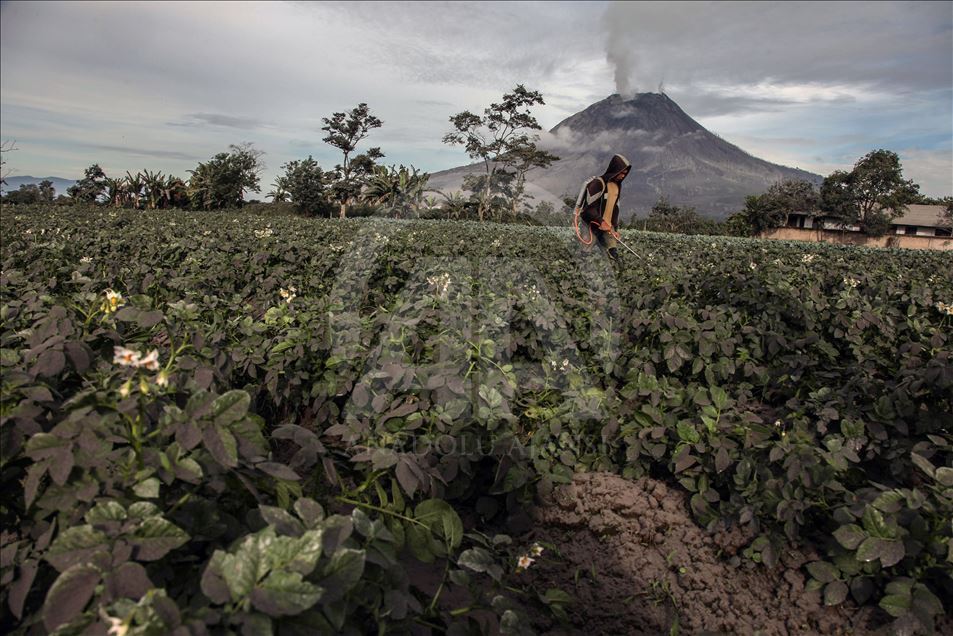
[[89, 73], [933, 169], [144, 152], [897, 46], [216, 119]]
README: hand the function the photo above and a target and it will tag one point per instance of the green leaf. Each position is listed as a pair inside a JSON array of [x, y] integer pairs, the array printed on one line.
[[344, 571], [687, 432], [148, 489], [230, 407], [243, 569], [282, 520], [476, 559], [442, 520], [554, 595], [944, 475], [155, 537], [895, 604], [874, 523], [923, 464], [105, 511], [823, 571], [74, 545], [310, 511], [284, 593], [420, 540], [850, 535], [221, 444], [890, 552], [719, 397], [69, 594], [835, 592]]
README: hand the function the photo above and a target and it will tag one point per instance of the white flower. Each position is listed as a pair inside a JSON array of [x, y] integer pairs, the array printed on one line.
[[117, 627], [752, 266], [125, 357], [851, 282], [86, 259], [265, 232], [524, 562], [151, 361], [113, 301], [945, 308], [536, 550], [807, 258], [162, 379], [288, 294]]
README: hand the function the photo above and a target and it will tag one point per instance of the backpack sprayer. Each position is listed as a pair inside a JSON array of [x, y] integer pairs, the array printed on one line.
[[601, 224]]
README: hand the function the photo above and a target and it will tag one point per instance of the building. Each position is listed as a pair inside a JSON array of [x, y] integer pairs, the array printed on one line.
[[917, 220]]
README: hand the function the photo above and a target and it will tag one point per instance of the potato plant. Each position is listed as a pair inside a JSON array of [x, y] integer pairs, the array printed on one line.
[[220, 421]]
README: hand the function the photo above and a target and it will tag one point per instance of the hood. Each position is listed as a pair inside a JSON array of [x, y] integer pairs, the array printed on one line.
[[617, 165]]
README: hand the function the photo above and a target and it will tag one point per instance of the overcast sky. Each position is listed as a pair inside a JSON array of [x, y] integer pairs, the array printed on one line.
[[165, 85]]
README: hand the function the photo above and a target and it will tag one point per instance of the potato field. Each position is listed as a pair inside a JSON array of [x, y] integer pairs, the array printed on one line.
[[233, 423]]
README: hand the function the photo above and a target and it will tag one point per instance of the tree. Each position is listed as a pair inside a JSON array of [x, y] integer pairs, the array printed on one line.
[[27, 193], [279, 190], [306, 182], [5, 147], [134, 186], [115, 191], [175, 193], [90, 187], [154, 184], [871, 195], [46, 192], [249, 163], [345, 131], [771, 209], [499, 138], [946, 215], [396, 189], [222, 181], [666, 217], [524, 158]]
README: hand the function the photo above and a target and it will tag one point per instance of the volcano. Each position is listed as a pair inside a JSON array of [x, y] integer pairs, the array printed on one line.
[[672, 155]]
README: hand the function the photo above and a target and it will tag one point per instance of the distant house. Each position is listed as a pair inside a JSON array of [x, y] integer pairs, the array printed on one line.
[[918, 220]]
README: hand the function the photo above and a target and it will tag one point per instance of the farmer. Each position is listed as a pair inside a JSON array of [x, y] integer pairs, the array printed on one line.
[[601, 208]]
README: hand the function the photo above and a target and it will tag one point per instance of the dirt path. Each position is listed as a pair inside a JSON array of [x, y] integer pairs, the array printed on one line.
[[636, 563]]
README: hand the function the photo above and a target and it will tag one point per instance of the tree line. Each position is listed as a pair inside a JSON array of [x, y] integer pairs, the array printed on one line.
[[502, 139]]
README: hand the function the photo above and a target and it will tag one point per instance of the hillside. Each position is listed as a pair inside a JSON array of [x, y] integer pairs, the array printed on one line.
[[672, 155]]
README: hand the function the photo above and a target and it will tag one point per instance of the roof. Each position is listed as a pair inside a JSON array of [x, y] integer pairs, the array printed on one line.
[[927, 215], [922, 215]]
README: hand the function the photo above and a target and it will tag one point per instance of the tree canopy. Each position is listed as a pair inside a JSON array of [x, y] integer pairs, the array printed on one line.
[[345, 131], [871, 195]]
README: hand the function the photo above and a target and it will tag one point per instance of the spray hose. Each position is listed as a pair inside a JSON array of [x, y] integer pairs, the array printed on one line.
[[599, 225]]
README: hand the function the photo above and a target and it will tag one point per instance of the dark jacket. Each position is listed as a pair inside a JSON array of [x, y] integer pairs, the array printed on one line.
[[597, 193]]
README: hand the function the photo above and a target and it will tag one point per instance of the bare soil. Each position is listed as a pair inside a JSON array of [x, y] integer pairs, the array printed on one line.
[[636, 563]]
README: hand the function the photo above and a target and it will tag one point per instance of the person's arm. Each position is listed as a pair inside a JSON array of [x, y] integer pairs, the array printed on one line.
[[612, 196]]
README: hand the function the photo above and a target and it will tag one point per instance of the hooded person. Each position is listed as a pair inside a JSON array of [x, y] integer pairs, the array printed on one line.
[[601, 211]]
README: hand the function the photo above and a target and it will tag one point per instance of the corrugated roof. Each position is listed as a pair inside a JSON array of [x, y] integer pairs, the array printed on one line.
[[926, 215]]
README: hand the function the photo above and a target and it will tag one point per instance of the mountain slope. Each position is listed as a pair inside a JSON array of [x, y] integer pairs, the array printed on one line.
[[671, 154], [59, 184]]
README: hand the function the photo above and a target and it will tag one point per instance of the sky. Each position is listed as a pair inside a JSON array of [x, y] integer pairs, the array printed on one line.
[[162, 86]]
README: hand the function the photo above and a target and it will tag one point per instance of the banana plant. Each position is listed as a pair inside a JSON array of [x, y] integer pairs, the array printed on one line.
[[134, 185], [116, 194], [279, 192], [153, 183], [175, 193], [396, 189]]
